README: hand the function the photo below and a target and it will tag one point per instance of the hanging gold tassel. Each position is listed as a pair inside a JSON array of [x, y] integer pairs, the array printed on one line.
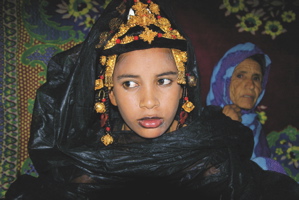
[[109, 71], [180, 58]]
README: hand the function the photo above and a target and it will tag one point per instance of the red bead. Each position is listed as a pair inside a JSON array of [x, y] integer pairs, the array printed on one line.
[[159, 16], [101, 77], [160, 34], [149, 1], [186, 98], [118, 41], [136, 37], [170, 28], [104, 100], [173, 36], [107, 128]]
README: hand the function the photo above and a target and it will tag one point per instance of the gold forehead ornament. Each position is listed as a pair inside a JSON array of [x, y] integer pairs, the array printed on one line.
[[142, 15]]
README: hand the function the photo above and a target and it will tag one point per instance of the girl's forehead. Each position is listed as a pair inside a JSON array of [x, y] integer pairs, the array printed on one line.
[[145, 52], [155, 57]]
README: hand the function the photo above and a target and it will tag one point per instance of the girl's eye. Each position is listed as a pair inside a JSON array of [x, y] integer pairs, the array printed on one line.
[[164, 81], [129, 84]]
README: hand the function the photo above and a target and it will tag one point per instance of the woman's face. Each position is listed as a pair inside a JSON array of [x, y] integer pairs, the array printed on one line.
[[246, 84], [146, 90]]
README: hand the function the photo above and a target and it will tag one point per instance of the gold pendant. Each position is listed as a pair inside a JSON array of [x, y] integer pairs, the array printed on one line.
[[100, 107], [99, 84], [107, 139], [188, 106]]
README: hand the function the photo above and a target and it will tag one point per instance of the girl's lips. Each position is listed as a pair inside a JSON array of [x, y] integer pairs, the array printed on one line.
[[150, 122]]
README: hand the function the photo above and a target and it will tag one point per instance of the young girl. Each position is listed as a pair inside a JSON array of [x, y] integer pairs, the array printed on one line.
[[143, 81], [120, 116]]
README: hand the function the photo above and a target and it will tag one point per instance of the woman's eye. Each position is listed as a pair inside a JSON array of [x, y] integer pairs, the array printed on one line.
[[257, 78], [164, 81], [129, 84], [239, 75]]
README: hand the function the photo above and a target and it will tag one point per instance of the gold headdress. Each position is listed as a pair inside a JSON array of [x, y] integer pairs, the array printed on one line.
[[140, 15], [143, 15], [151, 26]]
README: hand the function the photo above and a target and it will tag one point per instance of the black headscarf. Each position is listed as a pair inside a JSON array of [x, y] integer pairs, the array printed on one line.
[[64, 118], [209, 158]]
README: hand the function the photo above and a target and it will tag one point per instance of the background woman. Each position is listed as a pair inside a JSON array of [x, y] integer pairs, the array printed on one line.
[[238, 84]]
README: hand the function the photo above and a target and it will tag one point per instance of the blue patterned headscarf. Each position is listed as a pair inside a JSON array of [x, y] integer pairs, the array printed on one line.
[[222, 73], [219, 93]]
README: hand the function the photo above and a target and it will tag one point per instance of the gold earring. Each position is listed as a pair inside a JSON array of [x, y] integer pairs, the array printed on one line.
[[107, 139], [100, 106], [188, 105]]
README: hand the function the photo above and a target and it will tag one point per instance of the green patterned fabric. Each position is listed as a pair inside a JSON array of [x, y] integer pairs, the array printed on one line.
[[284, 146], [31, 32]]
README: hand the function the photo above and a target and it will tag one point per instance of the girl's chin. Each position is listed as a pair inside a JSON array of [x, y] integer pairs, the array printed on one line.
[[150, 134]]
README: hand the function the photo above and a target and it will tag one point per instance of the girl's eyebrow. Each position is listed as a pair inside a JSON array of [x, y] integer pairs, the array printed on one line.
[[136, 76], [127, 76], [168, 73]]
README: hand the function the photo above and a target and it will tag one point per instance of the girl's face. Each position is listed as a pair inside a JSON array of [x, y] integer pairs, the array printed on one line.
[[246, 84], [146, 91]]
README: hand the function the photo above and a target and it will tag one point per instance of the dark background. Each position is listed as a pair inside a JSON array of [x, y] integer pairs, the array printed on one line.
[[212, 34]]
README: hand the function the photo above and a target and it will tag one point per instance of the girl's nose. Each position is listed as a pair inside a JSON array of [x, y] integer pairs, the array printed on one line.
[[149, 98]]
